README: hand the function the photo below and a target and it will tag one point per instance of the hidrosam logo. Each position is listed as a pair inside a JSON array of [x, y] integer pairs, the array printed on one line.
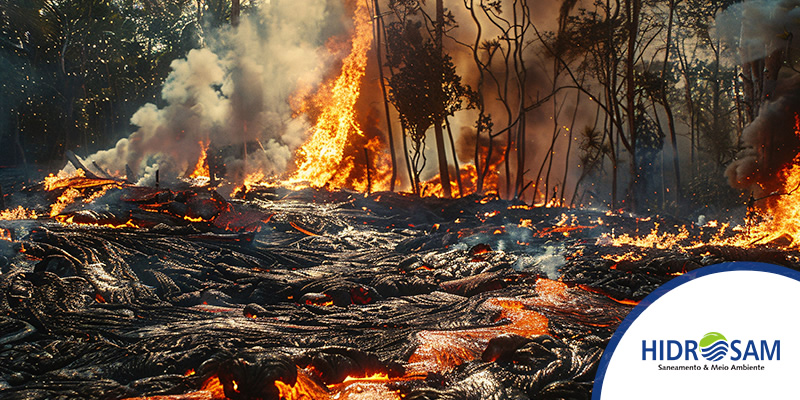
[[733, 347], [713, 346]]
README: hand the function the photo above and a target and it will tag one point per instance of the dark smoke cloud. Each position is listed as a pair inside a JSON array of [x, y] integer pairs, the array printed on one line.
[[771, 141]]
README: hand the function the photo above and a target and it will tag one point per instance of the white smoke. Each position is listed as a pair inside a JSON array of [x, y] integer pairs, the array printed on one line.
[[235, 91], [760, 26]]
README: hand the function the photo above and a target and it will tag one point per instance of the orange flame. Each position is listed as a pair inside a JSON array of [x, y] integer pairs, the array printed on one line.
[[201, 169], [469, 181], [17, 213], [321, 160]]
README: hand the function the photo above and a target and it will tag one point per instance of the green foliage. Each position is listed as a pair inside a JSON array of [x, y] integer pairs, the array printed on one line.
[[75, 71]]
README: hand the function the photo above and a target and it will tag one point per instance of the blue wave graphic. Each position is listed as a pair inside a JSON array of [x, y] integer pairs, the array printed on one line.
[[716, 351]]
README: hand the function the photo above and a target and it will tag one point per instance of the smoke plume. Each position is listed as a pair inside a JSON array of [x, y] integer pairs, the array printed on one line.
[[234, 94], [771, 141], [760, 26]]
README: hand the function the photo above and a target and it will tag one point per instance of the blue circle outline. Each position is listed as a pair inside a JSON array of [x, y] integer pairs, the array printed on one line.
[[664, 289]]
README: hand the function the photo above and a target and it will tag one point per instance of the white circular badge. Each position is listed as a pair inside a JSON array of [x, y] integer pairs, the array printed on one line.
[[726, 331]]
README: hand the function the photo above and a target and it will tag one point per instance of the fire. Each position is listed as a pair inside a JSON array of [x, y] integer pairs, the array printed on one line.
[[201, 169], [214, 387], [69, 220], [66, 198], [18, 213], [321, 160], [469, 180], [654, 239], [303, 388], [375, 377], [62, 179]]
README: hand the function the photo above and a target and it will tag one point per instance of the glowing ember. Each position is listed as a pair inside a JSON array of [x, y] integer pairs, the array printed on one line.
[[321, 160], [17, 213]]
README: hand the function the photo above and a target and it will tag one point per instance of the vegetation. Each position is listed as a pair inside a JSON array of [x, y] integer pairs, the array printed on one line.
[[642, 95]]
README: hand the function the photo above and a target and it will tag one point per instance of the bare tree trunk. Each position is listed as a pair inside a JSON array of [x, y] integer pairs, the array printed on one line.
[[444, 174], [235, 13], [455, 158], [668, 108], [632, 10], [412, 181], [378, 31], [562, 198]]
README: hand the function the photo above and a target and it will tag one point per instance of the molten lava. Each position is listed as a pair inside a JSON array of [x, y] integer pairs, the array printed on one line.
[[441, 351]]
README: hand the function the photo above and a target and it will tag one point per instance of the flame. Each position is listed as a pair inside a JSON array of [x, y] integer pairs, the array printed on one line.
[[304, 388], [62, 179], [201, 169], [214, 387], [66, 198], [69, 220], [469, 180], [654, 239], [380, 376], [18, 213], [5, 234], [321, 160]]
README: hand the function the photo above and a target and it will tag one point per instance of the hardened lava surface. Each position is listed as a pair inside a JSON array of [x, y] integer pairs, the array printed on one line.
[[317, 294]]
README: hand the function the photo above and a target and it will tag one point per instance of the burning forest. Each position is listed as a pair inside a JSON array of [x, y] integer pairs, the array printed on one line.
[[374, 200]]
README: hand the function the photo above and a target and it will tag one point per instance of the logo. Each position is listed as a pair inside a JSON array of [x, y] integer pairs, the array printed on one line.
[[713, 346]]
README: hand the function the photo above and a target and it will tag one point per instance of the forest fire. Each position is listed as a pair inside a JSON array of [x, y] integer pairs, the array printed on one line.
[[321, 160], [258, 239]]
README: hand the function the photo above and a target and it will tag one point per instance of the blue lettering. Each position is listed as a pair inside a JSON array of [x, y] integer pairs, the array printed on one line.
[[766, 354], [750, 350], [661, 349], [691, 348], [670, 345], [736, 350], [646, 350]]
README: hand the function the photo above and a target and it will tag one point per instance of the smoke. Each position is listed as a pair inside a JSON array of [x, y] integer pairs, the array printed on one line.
[[771, 141], [235, 94], [760, 26]]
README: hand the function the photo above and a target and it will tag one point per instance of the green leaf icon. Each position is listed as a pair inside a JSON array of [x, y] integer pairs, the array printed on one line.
[[711, 338]]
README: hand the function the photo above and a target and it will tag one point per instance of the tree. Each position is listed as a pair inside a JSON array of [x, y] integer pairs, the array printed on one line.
[[424, 86]]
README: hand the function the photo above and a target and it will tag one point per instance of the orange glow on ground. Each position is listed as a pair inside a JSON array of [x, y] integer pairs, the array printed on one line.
[[441, 351]]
